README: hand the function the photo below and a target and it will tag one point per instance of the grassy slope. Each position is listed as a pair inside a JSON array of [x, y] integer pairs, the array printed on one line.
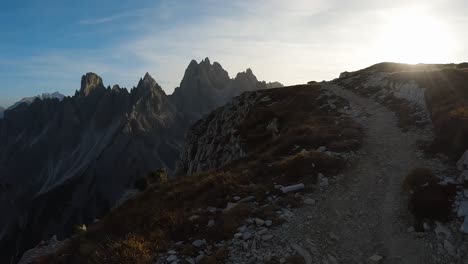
[[157, 218]]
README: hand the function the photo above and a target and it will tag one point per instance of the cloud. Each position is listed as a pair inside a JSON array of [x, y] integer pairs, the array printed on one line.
[[112, 18]]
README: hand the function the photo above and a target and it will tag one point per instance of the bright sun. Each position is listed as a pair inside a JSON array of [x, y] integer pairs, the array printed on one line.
[[411, 36]]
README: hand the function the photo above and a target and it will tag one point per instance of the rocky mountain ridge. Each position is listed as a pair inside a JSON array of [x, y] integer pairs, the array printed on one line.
[[30, 100], [85, 150]]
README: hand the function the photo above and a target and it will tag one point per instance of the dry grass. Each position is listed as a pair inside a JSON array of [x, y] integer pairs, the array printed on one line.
[[160, 215]]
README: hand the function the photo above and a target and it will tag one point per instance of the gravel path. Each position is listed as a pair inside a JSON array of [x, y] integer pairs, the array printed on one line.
[[363, 212]]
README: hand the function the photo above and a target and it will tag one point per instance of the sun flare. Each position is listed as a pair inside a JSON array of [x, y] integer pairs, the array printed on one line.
[[412, 36]]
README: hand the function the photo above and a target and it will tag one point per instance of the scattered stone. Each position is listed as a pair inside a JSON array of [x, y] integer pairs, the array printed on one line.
[[172, 258], [410, 229], [237, 235], [322, 149], [247, 236], [442, 230], [309, 201], [262, 231], [267, 237], [247, 199], [229, 206], [375, 259], [450, 248], [259, 222], [171, 252], [293, 188], [303, 253], [236, 198], [211, 223], [324, 182], [268, 223], [211, 209], [190, 260], [333, 236], [199, 258], [199, 243], [194, 217]]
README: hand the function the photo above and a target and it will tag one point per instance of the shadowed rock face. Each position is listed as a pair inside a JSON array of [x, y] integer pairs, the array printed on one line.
[[1, 111], [206, 86], [66, 162]]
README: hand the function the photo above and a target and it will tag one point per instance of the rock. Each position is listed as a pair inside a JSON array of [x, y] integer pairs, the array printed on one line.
[[334, 236], [450, 248], [267, 237], [375, 259], [199, 258], [303, 253], [268, 223], [190, 260], [199, 243], [324, 182], [171, 252], [247, 236], [194, 217], [236, 198], [410, 229], [442, 230], [262, 231], [247, 199], [322, 149], [462, 163], [464, 227], [309, 201], [293, 188], [229, 206], [211, 223], [172, 258], [237, 235], [211, 209], [259, 222], [463, 209]]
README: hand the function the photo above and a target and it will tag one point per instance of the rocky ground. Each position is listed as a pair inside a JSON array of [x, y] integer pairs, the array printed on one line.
[[359, 216]]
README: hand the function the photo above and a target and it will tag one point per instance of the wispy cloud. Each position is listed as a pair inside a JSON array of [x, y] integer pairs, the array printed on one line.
[[112, 18]]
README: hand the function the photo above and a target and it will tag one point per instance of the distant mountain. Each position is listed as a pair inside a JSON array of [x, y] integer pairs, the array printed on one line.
[[66, 162], [30, 100], [1, 111]]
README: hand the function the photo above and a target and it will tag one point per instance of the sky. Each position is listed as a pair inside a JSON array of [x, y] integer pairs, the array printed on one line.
[[47, 45]]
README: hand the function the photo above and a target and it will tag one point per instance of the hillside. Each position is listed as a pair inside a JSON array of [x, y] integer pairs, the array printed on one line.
[[311, 173], [86, 153]]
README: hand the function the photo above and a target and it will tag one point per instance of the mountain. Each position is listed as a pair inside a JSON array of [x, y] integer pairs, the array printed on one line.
[[273, 173], [206, 86], [84, 151], [1, 111], [29, 100]]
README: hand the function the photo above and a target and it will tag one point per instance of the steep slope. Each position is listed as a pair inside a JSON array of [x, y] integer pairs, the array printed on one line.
[[206, 86], [80, 154], [1, 111]]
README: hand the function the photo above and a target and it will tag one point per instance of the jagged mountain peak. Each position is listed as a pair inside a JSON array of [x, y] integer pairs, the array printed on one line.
[[90, 82]]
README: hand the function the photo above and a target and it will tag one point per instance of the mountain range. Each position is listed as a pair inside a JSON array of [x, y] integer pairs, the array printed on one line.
[[82, 152]]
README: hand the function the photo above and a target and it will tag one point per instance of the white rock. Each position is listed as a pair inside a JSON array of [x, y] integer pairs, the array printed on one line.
[[309, 201], [375, 259], [199, 243], [293, 188], [303, 253]]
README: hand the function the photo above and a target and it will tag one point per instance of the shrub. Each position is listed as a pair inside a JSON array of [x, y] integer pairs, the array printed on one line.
[[131, 249]]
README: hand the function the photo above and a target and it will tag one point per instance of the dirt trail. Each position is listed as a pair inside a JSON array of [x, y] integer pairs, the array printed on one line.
[[364, 211], [371, 203]]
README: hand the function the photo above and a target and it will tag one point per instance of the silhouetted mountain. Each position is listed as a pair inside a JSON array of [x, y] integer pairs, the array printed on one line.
[[66, 162], [29, 100], [206, 86], [1, 111]]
